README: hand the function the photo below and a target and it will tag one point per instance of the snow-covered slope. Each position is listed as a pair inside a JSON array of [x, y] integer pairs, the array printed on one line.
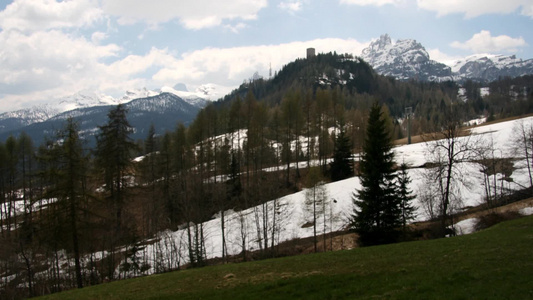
[[31, 115], [169, 249], [136, 94], [291, 213], [191, 98], [16, 119]]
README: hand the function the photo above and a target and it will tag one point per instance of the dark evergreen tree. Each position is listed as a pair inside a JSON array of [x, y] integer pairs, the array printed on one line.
[[342, 165], [377, 212], [234, 186], [405, 196]]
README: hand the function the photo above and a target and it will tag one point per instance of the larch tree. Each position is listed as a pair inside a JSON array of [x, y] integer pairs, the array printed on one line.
[[292, 118], [113, 155], [71, 185], [377, 211], [151, 170]]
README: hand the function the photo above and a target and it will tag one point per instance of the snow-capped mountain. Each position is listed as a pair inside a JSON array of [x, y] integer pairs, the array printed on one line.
[[81, 99], [90, 99], [24, 117], [136, 94], [191, 97], [163, 110], [405, 59], [408, 59], [490, 67], [209, 92], [12, 121]]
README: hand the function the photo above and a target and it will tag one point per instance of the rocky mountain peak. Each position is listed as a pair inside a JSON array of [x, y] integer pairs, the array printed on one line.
[[404, 59], [408, 59], [382, 43]]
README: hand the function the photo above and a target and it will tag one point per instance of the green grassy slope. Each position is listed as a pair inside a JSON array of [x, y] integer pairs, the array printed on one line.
[[496, 263]]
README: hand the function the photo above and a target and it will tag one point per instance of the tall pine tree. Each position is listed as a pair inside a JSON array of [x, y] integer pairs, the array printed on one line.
[[405, 196], [377, 213]]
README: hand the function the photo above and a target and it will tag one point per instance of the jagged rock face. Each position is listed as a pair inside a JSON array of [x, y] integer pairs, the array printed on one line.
[[408, 59], [404, 60]]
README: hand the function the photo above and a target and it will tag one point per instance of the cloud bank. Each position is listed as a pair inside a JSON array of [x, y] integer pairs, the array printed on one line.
[[195, 14], [484, 42], [475, 8]]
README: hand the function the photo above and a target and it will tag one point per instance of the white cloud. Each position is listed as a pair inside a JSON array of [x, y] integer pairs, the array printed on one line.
[[291, 6], [474, 8], [193, 14], [484, 42], [136, 64], [32, 15], [236, 28], [33, 64], [230, 66], [437, 55], [97, 37], [371, 2]]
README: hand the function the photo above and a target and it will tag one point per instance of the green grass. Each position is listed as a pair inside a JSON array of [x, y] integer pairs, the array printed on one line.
[[496, 263]]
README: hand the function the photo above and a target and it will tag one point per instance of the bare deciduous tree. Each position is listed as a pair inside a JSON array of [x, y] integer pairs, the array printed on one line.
[[316, 201], [522, 146], [447, 149]]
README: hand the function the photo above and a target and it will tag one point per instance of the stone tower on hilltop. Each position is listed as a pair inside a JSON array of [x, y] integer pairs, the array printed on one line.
[[310, 53]]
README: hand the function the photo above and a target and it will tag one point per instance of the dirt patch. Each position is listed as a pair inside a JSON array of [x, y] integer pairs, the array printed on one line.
[[490, 216], [509, 208]]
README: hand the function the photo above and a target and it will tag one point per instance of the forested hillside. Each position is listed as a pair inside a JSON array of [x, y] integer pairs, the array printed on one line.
[[74, 215]]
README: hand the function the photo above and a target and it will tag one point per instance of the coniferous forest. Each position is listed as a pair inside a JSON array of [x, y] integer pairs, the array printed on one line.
[[75, 215]]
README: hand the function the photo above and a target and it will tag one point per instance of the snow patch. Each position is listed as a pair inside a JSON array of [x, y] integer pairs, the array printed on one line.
[[526, 211], [465, 226]]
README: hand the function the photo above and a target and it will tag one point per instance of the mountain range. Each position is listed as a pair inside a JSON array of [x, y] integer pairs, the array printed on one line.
[[404, 60], [164, 109], [408, 59]]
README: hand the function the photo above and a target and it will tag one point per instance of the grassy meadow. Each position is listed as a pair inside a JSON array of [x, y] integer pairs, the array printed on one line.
[[496, 263]]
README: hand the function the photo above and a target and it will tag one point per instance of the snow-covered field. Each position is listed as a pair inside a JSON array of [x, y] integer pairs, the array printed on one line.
[[291, 214]]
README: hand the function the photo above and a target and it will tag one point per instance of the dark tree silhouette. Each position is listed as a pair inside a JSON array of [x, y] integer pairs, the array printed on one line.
[[377, 211]]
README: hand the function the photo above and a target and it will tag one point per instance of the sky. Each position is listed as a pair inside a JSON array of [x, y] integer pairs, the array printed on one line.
[[51, 49]]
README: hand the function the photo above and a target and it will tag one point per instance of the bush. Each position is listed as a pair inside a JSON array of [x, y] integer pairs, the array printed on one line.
[[494, 218]]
